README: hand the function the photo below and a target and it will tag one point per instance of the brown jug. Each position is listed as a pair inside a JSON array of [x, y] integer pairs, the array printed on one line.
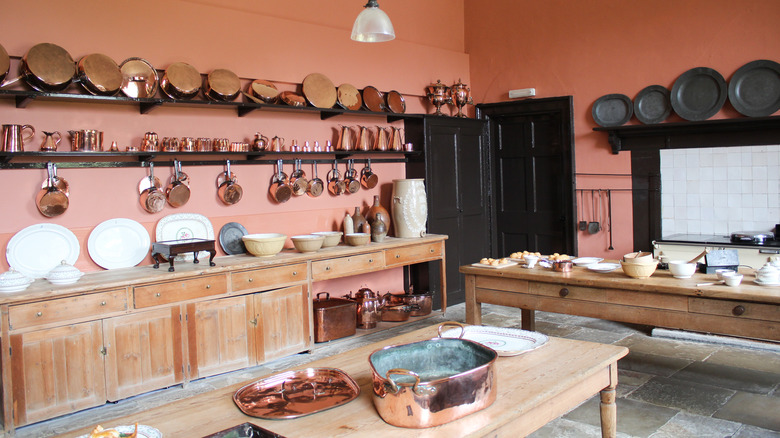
[[376, 209], [378, 228], [358, 220]]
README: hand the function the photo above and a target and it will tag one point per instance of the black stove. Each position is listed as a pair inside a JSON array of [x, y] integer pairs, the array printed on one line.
[[721, 240]]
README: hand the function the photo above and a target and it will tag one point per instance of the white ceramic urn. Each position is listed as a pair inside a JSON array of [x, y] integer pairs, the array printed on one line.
[[410, 207]]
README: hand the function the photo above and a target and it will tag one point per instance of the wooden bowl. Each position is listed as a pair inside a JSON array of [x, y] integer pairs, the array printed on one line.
[[264, 245], [332, 238], [307, 242], [357, 239], [639, 270]]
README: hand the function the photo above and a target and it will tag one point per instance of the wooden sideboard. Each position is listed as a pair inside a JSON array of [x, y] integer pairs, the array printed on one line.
[[123, 332], [748, 310]]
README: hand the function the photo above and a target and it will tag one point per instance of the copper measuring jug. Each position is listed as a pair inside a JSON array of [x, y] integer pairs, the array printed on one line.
[[49, 143], [12, 137]]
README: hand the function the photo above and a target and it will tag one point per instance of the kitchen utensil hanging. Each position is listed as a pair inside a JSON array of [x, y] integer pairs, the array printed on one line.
[[609, 200], [583, 224], [151, 197], [316, 186], [336, 185], [228, 191], [298, 181], [178, 190], [593, 225], [280, 190], [52, 199]]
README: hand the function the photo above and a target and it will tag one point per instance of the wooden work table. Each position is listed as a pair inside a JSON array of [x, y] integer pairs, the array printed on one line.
[[748, 310], [533, 389]]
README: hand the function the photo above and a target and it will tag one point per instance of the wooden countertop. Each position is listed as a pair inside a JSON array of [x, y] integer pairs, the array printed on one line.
[[661, 281], [533, 388]]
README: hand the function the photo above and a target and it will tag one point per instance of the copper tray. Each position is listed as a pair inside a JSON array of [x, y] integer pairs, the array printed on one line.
[[48, 67], [373, 99], [264, 90], [319, 90], [294, 394], [349, 97], [292, 99], [139, 78], [5, 63], [99, 74], [395, 102], [180, 81], [222, 84]]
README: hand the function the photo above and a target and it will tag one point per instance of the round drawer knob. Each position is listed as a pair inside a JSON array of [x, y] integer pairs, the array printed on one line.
[[431, 250], [251, 280], [295, 273], [208, 286], [39, 314], [102, 303], [564, 292], [327, 268], [398, 256], [370, 260], [158, 294], [738, 310]]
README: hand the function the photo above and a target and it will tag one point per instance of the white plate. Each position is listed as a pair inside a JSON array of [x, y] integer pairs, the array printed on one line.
[[761, 283], [118, 243], [185, 226], [585, 261], [603, 267], [39, 248], [506, 341], [502, 265], [143, 431]]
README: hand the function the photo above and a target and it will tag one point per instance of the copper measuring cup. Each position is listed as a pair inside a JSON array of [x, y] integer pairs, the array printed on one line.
[[367, 176], [280, 191]]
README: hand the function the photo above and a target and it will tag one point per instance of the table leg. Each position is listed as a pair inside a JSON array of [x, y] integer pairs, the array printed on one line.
[[608, 413], [211, 259], [171, 257], [528, 321], [156, 257], [473, 308], [195, 257]]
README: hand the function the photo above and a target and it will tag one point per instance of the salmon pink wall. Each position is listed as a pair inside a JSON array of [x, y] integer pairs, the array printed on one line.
[[278, 40], [591, 48]]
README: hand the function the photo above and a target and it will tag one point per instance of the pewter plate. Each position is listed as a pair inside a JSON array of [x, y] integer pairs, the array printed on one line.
[[652, 105], [699, 94], [754, 90], [612, 110], [230, 238]]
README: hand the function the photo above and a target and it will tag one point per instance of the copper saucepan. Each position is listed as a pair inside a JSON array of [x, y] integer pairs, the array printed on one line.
[[47, 67], [152, 199], [367, 176], [316, 186], [350, 181], [221, 84], [99, 74], [178, 190], [52, 200], [298, 181], [180, 81], [280, 190], [228, 191]]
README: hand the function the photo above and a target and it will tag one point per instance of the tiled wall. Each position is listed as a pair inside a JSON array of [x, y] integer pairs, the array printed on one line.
[[720, 190]]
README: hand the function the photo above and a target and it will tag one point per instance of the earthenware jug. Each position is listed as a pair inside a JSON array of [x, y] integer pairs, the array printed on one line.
[[410, 207]]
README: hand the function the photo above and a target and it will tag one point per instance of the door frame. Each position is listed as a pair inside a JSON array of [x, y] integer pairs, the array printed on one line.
[[564, 107]]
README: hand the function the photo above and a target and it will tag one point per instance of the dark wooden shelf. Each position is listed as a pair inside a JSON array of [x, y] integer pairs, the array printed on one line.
[[748, 131]]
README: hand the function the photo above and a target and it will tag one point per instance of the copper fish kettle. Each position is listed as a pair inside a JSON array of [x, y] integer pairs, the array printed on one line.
[[429, 383]]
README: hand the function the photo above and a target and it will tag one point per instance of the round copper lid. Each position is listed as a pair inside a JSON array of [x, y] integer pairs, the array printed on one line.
[[373, 99], [292, 99], [349, 97], [223, 84], [264, 90], [319, 90], [99, 74], [181, 80], [395, 102], [5, 63], [139, 78], [50, 66]]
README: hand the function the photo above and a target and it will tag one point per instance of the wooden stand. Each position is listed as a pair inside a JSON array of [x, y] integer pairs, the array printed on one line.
[[171, 248]]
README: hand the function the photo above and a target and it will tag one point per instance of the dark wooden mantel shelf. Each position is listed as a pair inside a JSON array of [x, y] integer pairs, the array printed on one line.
[[749, 131]]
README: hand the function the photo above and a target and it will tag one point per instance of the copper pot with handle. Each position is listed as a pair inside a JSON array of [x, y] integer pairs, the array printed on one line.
[[298, 181], [369, 307], [178, 190], [228, 191], [367, 176], [48, 67], [152, 198], [280, 190], [316, 186], [336, 186], [53, 198], [350, 179]]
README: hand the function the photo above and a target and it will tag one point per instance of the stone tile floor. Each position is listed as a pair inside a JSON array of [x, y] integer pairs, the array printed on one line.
[[667, 388]]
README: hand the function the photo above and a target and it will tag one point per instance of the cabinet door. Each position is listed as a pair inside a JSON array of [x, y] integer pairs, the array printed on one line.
[[143, 352], [57, 371], [283, 317], [221, 336]]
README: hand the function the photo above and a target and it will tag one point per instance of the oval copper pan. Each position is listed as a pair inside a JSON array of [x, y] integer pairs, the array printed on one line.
[[319, 90], [264, 90], [48, 67], [349, 97], [395, 102], [5, 63], [292, 99], [181, 81], [99, 74], [222, 84], [373, 99], [139, 78]]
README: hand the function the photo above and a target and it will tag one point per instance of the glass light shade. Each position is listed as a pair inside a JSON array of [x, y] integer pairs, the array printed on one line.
[[372, 26]]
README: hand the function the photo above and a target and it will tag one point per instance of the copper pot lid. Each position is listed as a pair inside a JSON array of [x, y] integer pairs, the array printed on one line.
[[373, 99], [222, 84], [139, 78], [99, 74], [395, 102], [349, 97], [319, 90], [50, 66], [181, 80], [5, 63], [264, 90], [292, 99]]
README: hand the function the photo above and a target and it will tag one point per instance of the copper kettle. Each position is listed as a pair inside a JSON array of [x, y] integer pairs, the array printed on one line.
[[260, 142], [369, 307]]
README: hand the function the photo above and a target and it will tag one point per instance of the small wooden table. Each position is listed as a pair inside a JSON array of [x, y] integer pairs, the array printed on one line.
[[533, 389], [171, 248]]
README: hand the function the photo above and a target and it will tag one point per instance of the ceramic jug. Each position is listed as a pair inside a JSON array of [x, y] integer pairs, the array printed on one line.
[[376, 209], [410, 207], [378, 228], [358, 220]]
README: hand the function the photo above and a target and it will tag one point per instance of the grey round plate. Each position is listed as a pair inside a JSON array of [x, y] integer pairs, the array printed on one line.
[[699, 94], [754, 90], [612, 110], [652, 105], [230, 238]]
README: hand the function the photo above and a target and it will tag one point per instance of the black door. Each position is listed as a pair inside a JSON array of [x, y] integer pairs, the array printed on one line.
[[531, 145]]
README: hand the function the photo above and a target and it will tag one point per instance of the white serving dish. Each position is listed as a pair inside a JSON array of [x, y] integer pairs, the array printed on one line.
[[39, 248], [185, 226], [65, 273], [118, 243], [14, 281], [506, 341], [585, 261]]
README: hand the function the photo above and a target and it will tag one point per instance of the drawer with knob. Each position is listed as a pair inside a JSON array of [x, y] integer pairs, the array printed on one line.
[[67, 309], [181, 290], [741, 309], [413, 254], [254, 279], [568, 292], [343, 266]]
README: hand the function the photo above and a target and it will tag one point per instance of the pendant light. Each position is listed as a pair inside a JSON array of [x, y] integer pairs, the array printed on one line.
[[372, 25]]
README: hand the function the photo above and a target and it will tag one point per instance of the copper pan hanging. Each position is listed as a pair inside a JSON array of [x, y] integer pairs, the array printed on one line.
[[5, 63], [349, 97], [152, 198], [178, 190], [51, 199], [222, 84], [180, 81], [99, 74], [139, 78], [319, 90], [47, 67], [228, 191]]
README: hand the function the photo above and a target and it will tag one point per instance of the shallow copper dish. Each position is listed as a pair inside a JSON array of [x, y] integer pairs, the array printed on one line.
[[294, 394], [395, 102], [99, 74], [48, 67], [292, 99], [319, 90], [349, 97], [5, 63], [373, 99], [139, 78], [180, 81], [222, 84], [264, 90]]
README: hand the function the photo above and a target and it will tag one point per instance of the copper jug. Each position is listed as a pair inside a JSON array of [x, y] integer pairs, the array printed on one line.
[[13, 140], [49, 143], [345, 139], [396, 142], [364, 139], [381, 141], [259, 143], [277, 144]]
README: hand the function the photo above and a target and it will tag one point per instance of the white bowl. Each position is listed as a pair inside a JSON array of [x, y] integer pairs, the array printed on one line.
[[722, 272], [732, 279], [332, 238], [682, 269]]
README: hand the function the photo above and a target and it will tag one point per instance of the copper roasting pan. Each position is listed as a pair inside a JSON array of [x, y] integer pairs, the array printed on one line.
[[294, 394]]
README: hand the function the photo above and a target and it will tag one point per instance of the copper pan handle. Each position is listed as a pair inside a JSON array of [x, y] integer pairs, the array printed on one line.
[[453, 324]]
